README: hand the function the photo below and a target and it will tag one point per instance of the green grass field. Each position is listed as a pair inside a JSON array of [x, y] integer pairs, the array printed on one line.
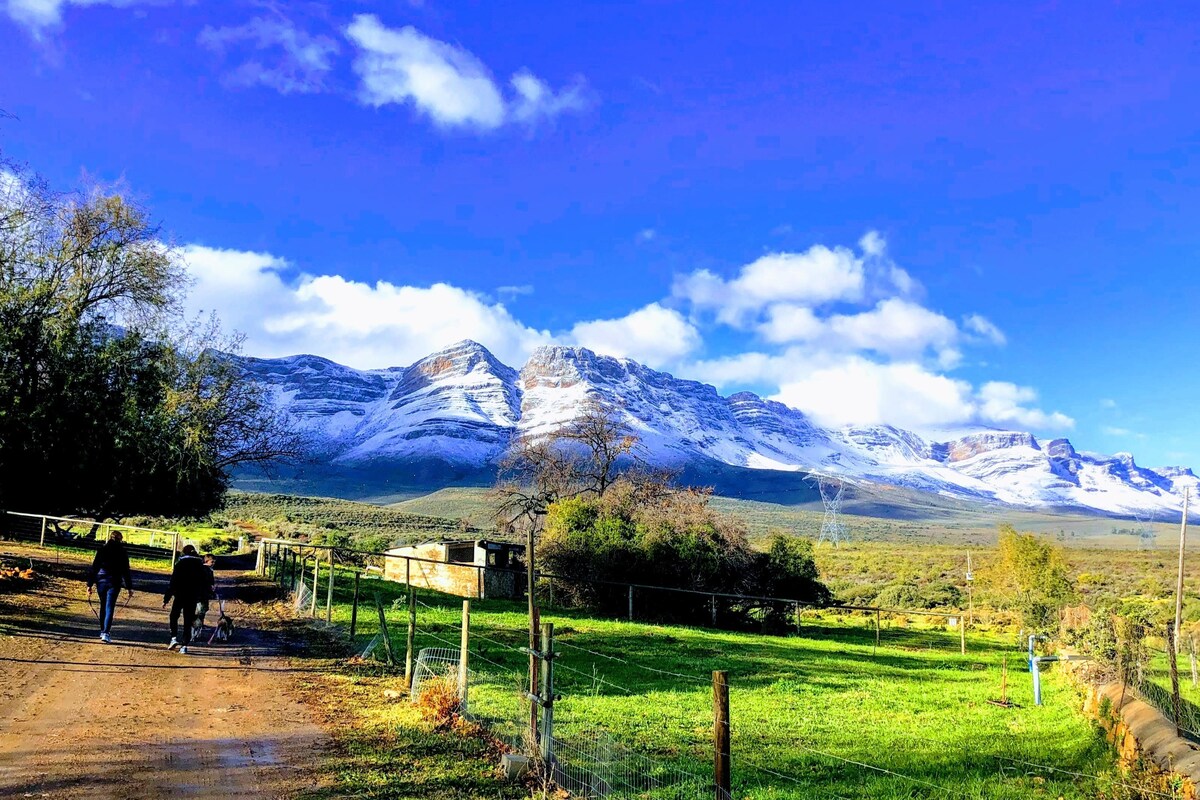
[[823, 714]]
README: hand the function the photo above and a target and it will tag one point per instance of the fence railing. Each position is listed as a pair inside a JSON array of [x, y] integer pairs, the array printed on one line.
[[51, 531]]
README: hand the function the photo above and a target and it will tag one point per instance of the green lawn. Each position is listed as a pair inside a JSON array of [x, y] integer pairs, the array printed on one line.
[[913, 714]]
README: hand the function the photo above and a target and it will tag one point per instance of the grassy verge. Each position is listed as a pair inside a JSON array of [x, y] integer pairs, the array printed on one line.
[[825, 714], [384, 749]]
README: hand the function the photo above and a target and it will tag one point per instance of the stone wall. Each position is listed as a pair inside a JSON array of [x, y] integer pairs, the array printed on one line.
[[1146, 743], [455, 579]]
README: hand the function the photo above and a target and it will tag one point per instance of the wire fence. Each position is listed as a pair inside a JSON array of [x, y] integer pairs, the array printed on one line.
[[86, 534], [916, 629], [629, 726], [1178, 698]]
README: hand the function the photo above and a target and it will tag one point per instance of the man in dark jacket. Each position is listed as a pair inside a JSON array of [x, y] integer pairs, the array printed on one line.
[[110, 569], [190, 584]]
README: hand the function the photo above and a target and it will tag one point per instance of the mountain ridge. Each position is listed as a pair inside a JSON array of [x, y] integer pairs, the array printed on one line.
[[461, 406]]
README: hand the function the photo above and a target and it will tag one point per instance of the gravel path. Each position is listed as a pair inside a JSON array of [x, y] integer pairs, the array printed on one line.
[[82, 719]]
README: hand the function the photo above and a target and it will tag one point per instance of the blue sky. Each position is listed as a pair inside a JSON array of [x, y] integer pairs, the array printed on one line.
[[931, 215]]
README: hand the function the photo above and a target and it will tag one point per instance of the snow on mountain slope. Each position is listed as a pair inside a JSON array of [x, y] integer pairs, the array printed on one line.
[[462, 406]]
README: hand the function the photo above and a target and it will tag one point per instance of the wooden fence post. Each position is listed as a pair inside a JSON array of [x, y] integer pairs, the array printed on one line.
[[1173, 661], [43, 542], [631, 602], [383, 631], [877, 626], [354, 608], [329, 592], [312, 610], [962, 633], [463, 649], [721, 765], [412, 635], [714, 611]]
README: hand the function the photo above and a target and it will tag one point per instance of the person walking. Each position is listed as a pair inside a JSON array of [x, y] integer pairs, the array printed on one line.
[[110, 569], [190, 582]]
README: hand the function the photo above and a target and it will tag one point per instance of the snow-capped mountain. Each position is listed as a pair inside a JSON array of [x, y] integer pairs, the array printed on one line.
[[462, 407]]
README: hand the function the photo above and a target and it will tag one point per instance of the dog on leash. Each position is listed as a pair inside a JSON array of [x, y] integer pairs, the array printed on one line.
[[198, 623], [223, 630]]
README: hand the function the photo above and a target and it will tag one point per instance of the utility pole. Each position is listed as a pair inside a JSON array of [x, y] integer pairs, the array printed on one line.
[[1179, 581]]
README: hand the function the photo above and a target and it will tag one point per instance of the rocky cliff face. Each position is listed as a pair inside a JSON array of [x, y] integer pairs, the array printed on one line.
[[462, 407]]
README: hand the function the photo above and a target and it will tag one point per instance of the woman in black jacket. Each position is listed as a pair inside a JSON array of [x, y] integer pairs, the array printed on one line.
[[110, 569]]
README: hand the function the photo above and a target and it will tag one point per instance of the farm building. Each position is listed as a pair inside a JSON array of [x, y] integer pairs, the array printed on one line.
[[476, 569]]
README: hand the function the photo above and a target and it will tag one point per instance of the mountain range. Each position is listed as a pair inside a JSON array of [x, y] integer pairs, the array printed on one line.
[[451, 415]]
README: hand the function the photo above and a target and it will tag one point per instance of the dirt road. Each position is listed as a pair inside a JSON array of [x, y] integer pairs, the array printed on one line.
[[82, 719]]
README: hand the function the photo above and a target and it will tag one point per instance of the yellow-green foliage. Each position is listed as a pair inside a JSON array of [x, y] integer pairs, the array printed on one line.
[[1032, 576]]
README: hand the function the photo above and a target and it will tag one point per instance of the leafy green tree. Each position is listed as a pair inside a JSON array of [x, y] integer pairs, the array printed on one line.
[[108, 405]]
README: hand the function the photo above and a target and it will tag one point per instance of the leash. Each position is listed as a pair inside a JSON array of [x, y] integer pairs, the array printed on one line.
[[92, 606]]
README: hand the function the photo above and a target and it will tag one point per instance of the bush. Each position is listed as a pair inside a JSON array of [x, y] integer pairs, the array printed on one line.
[[912, 595], [673, 540], [219, 545]]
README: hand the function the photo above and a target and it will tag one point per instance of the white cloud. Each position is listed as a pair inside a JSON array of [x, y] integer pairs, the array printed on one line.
[[359, 324], [850, 389], [895, 327], [788, 322], [873, 244], [446, 82], [1005, 403], [814, 277], [653, 335], [647, 235], [1108, 403], [857, 391], [512, 292], [984, 327], [536, 101], [301, 59], [1114, 431], [40, 16]]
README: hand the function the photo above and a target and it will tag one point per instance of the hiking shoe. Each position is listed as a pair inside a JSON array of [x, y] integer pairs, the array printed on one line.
[[104, 637], [183, 650], [174, 645]]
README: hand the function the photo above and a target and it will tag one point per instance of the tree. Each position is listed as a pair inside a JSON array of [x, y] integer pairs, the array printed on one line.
[[108, 406], [1032, 576]]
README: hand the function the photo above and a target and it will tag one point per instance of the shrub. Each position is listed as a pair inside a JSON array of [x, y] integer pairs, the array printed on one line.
[[438, 701], [675, 540], [220, 545], [913, 595]]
